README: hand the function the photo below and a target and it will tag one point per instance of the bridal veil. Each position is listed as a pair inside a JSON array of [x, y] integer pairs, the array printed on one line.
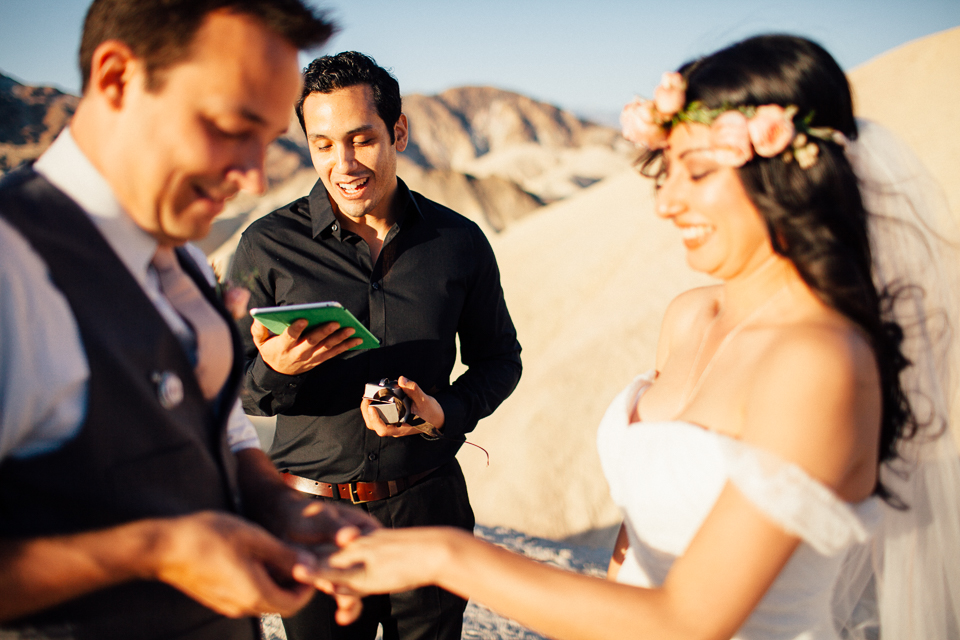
[[907, 578]]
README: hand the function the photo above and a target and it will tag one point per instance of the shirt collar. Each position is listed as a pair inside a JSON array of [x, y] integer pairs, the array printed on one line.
[[68, 169], [323, 218]]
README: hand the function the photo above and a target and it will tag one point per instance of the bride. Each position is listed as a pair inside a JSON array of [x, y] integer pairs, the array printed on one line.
[[785, 471]]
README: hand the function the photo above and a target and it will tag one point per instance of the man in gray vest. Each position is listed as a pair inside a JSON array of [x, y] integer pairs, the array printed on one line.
[[130, 480]]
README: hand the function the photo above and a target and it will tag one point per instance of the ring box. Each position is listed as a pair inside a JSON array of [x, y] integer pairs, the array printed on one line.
[[388, 399]]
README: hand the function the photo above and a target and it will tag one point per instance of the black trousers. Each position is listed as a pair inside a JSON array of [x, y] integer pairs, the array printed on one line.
[[431, 613]]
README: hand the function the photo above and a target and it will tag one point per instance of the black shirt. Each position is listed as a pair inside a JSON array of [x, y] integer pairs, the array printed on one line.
[[436, 278]]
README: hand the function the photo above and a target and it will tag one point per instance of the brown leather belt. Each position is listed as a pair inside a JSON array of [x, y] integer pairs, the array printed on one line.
[[356, 492]]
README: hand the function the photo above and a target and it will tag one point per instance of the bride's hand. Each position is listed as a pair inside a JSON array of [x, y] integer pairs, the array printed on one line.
[[389, 560]]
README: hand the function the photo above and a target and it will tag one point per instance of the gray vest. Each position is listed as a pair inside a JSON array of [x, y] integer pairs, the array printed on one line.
[[143, 451]]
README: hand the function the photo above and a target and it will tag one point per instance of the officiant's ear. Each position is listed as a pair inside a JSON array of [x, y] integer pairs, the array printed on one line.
[[400, 131], [112, 68]]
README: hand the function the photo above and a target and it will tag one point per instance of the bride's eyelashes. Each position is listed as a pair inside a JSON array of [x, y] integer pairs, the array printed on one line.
[[699, 168]]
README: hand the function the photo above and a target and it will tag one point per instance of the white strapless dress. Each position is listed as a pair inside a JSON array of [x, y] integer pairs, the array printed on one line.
[[666, 477]]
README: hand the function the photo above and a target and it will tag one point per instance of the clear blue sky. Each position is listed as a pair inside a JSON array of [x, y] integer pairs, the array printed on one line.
[[592, 55]]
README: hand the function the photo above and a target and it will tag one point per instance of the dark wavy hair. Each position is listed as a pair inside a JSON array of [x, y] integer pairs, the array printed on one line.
[[348, 69], [815, 216]]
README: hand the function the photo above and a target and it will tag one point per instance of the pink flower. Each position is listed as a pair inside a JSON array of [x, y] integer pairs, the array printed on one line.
[[641, 126], [236, 299], [771, 130], [670, 96], [730, 139]]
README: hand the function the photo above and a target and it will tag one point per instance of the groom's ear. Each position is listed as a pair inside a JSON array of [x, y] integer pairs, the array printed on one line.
[[113, 68]]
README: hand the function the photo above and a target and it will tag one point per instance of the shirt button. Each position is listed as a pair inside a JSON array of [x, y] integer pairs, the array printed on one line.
[[376, 286], [334, 226], [371, 456]]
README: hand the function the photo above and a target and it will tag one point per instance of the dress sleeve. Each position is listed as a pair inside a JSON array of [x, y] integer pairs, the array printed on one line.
[[614, 457], [795, 501]]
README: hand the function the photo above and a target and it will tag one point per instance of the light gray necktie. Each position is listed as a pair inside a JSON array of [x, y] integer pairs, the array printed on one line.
[[214, 346]]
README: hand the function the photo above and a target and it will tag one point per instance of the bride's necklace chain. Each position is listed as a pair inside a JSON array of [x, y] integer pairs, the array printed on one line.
[[688, 392]]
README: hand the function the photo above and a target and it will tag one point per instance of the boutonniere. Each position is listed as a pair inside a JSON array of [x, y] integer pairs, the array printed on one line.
[[235, 295]]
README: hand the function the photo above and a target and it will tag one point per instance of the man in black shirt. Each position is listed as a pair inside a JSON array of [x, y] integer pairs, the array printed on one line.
[[417, 275]]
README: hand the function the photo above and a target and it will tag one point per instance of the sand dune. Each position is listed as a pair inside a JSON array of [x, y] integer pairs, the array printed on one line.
[[586, 281], [914, 90]]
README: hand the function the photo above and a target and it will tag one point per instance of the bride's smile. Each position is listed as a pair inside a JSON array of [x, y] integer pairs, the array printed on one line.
[[723, 232]]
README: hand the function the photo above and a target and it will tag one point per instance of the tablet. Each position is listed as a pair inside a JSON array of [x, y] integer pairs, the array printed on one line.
[[277, 319]]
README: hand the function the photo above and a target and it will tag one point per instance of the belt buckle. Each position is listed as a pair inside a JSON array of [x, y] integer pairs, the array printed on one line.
[[354, 496]]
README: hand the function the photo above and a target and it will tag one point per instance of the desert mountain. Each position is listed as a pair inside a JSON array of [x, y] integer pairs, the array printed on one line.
[[492, 155], [482, 131], [495, 155], [30, 118]]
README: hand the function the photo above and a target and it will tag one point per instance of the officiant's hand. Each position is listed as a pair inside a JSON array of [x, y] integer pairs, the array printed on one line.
[[424, 406], [294, 352]]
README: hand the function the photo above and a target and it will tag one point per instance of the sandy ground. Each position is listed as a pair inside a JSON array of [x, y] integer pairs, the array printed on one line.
[[481, 623]]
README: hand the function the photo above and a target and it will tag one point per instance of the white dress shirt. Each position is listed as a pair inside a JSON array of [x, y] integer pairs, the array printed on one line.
[[44, 373]]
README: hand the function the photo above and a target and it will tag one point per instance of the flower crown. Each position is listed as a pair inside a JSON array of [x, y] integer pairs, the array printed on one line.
[[736, 131]]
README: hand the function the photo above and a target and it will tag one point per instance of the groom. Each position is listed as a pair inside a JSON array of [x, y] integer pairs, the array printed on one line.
[[120, 500]]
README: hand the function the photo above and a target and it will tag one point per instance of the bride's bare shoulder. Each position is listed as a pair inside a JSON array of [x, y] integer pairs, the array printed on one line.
[[815, 399], [826, 348], [691, 307], [684, 313]]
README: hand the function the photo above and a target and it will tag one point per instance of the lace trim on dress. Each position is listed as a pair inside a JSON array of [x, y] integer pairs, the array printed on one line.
[[791, 498], [784, 492]]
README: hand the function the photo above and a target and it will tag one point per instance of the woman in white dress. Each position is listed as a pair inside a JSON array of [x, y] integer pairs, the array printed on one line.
[[748, 463]]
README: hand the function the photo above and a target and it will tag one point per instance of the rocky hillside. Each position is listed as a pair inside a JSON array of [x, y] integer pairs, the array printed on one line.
[[493, 155], [483, 131], [490, 154], [30, 118]]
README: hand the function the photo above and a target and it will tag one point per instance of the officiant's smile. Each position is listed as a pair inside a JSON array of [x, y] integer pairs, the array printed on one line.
[[353, 150]]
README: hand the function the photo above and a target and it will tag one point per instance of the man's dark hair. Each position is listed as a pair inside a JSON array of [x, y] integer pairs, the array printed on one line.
[[348, 69], [160, 32]]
